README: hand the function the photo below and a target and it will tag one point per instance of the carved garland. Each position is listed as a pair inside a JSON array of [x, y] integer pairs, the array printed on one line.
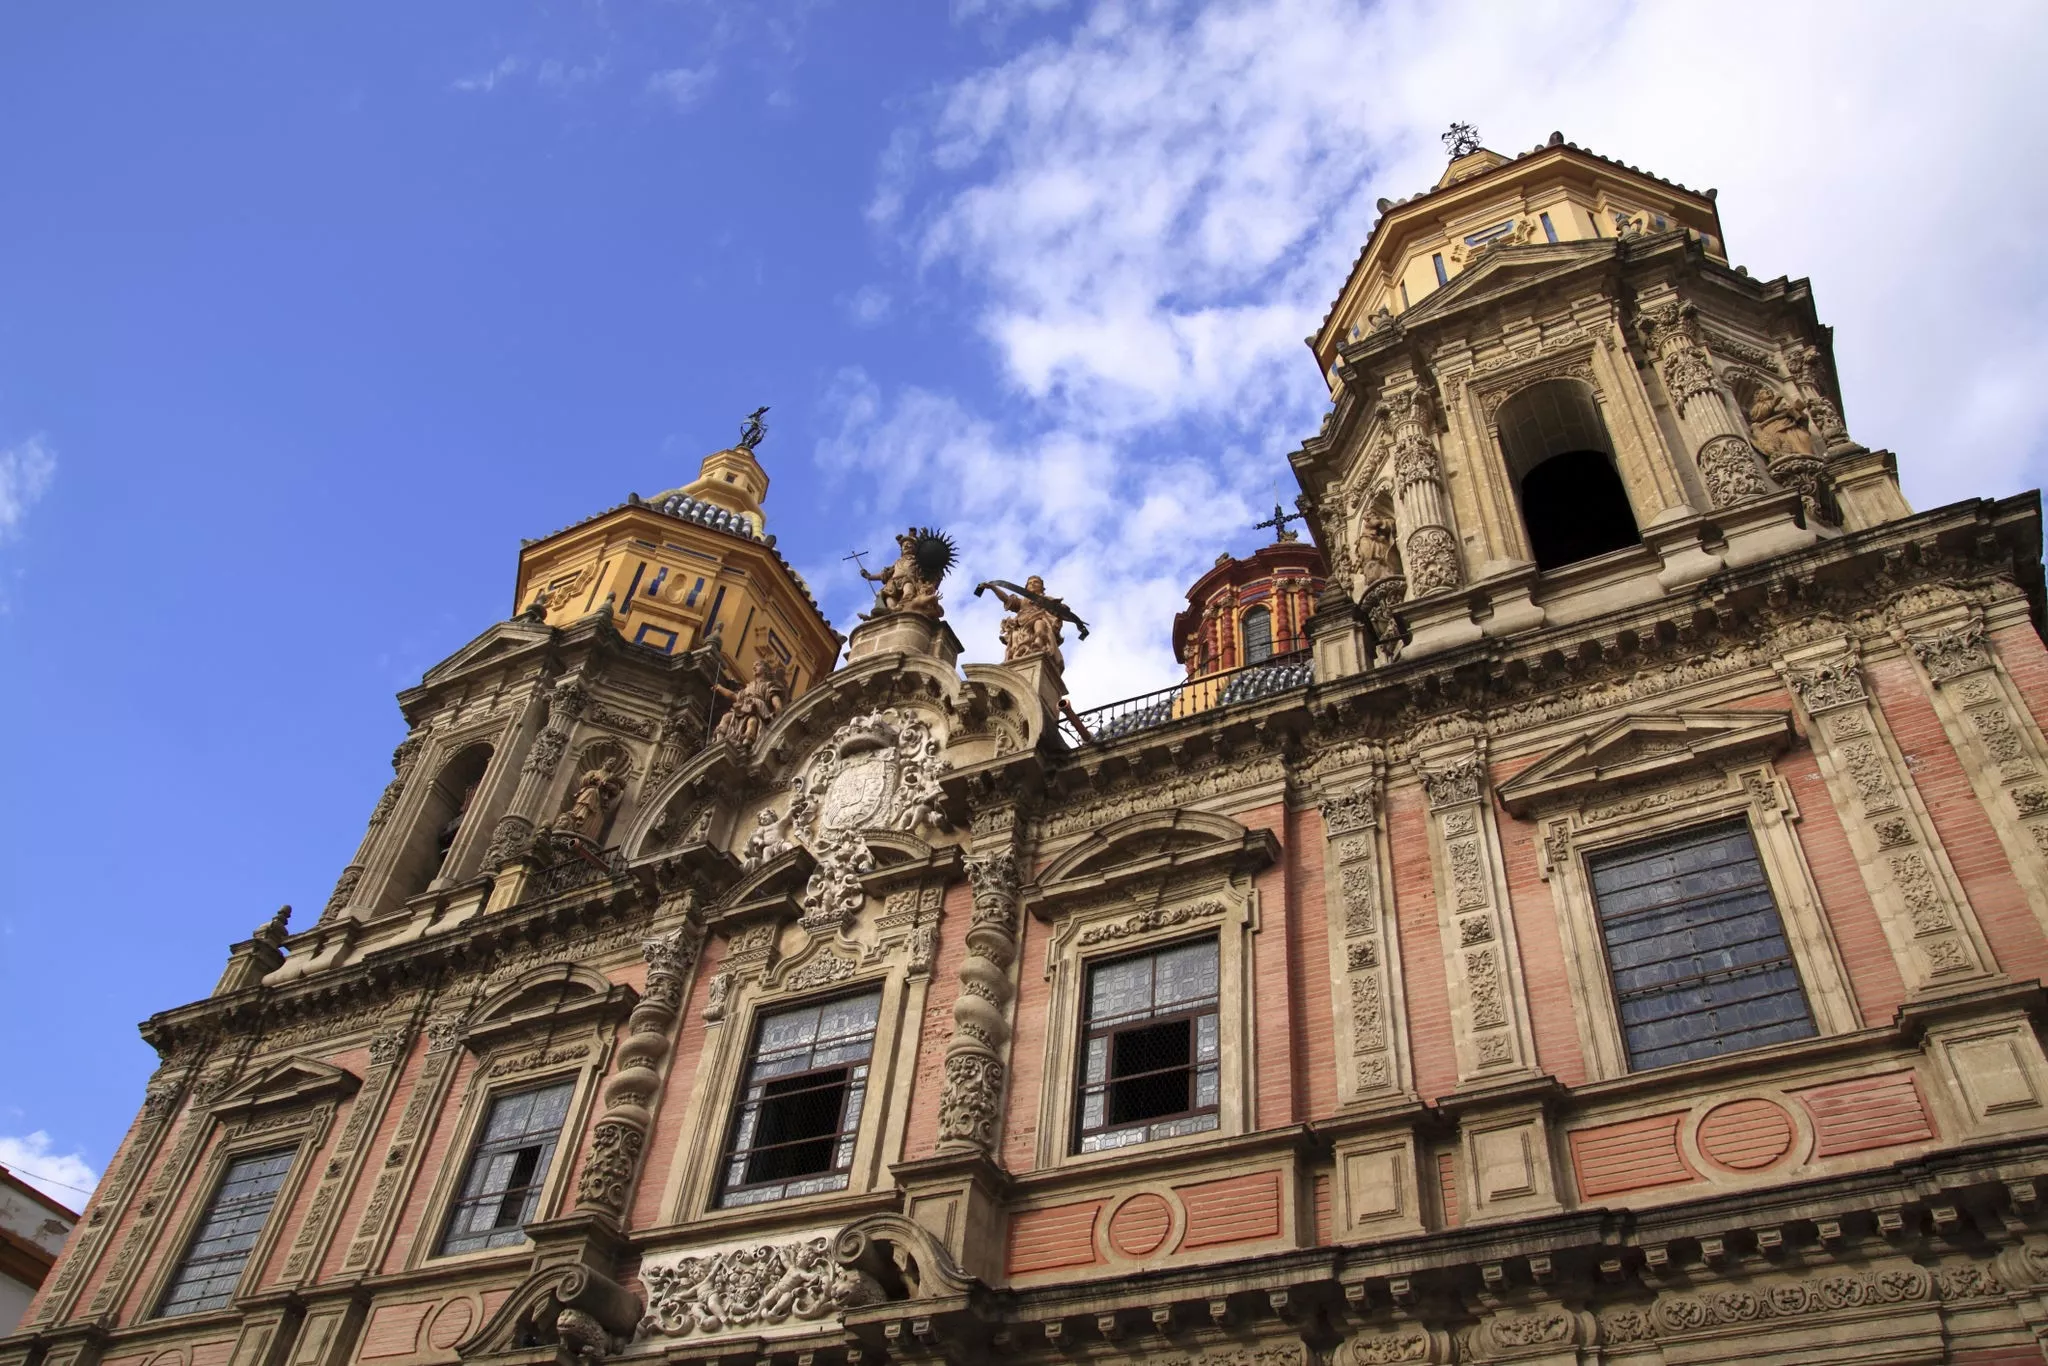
[[1920, 909]]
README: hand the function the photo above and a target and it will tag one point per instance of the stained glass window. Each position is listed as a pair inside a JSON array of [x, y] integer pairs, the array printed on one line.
[[220, 1249], [799, 1110], [1150, 1048], [1697, 951], [501, 1190]]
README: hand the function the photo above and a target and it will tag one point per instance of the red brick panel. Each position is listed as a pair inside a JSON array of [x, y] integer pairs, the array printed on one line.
[[1027, 1051], [1553, 1009], [1635, 1155], [1272, 1053], [1315, 1028], [1870, 1112], [1422, 949], [2026, 661], [394, 1330], [1052, 1239], [1972, 846], [1237, 1209], [1322, 1207], [921, 1133]]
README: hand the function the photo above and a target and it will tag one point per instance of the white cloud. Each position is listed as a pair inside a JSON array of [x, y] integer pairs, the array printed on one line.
[[1149, 212], [869, 305], [484, 82], [66, 1178], [682, 86], [26, 469]]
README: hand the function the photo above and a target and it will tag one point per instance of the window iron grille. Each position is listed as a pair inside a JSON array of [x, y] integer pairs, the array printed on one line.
[[501, 1190], [1150, 1048], [798, 1115], [1695, 947], [234, 1218]]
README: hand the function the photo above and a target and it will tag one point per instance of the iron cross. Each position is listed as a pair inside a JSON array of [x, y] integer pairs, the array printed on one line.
[[1279, 520]]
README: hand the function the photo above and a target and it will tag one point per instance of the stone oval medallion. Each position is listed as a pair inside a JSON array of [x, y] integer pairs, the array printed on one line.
[[1746, 1135], [1140, 1225], [451, 1324]]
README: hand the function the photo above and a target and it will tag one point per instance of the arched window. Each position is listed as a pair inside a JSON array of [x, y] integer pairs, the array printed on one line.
[[442, 818], [1573, 501], [1256, 626]]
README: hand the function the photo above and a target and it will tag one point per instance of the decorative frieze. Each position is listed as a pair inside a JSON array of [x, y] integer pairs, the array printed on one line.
[[1933, 935], [1362, 937], [1477, 935], [749, 1289], [1987, 724]]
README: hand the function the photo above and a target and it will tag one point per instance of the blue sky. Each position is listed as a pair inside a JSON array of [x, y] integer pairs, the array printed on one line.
[[308, 313]]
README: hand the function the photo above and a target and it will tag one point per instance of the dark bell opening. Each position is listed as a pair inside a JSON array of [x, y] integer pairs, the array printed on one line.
[[1149, 1072], [798, 1127], [1575, 508]]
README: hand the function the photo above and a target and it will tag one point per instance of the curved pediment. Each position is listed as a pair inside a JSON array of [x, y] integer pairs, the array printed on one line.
[[1150, 847], [1644, 744], [544, 1001]]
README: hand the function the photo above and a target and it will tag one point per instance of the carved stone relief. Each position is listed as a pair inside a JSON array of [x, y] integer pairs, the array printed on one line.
[[1931, 933]]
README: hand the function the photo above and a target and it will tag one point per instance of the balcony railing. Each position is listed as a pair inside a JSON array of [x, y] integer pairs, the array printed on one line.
[[1268, 678]]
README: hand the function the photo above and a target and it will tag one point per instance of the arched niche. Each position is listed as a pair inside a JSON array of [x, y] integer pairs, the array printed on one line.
[[1561, 459], [451, 802]]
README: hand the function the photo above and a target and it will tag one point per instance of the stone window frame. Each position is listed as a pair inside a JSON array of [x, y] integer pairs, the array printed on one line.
[[1110, 931], [1752, 792], [521, 1050], [246, 1123], [477, 1101], [727, 1048]]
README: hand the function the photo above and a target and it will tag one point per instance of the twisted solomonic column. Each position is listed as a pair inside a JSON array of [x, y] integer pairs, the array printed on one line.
[[970, 1107], [606, 1182]]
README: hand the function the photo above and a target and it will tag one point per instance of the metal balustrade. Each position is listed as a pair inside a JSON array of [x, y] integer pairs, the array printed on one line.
[[1190, 697]]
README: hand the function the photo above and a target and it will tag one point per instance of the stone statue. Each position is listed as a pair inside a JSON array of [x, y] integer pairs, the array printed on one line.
[[1033, 626], [1778, 426], [754, 704], [596, 791], [1375, 550], [911, 584], [767, 843]]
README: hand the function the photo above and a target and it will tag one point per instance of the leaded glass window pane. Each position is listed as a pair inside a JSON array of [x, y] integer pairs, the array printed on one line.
[[1150, 1048], [1695, 947], [502, 1188], [799, 1110], [220, 1247]]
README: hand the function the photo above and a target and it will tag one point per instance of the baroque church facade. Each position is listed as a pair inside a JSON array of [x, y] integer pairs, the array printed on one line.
[[1591, 905]]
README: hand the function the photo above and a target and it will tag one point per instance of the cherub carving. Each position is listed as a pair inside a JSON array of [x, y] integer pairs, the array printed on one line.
[[756, 703], [767, 843]]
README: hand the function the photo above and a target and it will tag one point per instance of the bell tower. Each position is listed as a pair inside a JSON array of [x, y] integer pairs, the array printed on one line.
[[1552, 396]]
